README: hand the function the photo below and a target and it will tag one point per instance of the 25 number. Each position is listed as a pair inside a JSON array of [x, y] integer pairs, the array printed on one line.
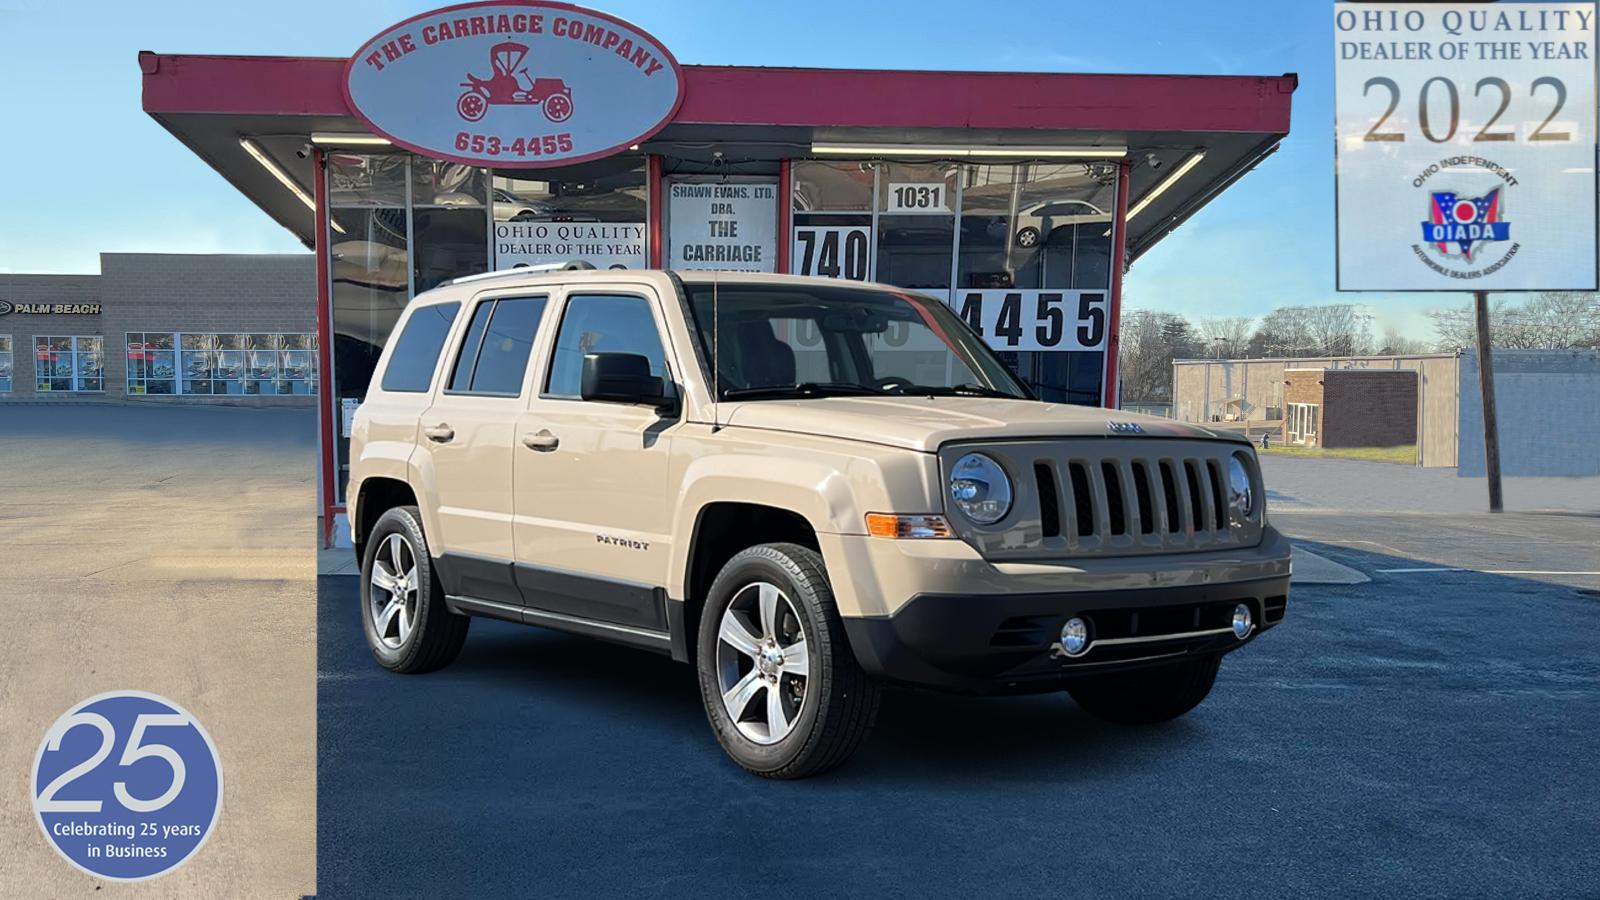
[[136, 750]]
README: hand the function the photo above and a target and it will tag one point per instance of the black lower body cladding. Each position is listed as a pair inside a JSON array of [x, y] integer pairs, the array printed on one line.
[[1009, 643]]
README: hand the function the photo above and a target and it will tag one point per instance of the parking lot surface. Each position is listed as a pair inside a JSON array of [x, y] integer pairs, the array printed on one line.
[[1427, 733], [166, 550]]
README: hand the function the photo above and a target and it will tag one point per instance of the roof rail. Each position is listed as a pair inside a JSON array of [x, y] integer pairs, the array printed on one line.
[[572, 265]]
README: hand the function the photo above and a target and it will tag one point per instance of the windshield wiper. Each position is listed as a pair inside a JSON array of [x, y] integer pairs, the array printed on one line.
[[959, 390], [803, 389]]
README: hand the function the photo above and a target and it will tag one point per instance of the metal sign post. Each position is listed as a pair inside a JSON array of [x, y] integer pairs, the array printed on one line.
[[1491, 427]]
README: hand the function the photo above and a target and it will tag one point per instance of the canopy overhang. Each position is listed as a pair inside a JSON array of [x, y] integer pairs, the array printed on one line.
[[1188, 137]]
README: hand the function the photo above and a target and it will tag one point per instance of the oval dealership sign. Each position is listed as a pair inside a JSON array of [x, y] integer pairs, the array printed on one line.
[[514, 84]]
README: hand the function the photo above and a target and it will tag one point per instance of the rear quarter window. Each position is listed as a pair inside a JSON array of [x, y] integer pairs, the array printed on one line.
[[416, 353]]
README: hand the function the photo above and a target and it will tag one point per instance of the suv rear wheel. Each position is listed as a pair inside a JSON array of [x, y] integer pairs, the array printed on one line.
[[1147, 696], [408, 627], [784, 695]]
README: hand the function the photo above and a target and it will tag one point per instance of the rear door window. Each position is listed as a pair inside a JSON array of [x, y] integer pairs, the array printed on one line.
[[416, 353], [502, 346]]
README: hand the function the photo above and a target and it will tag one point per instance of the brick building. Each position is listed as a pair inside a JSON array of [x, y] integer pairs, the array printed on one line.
[[1350, 407], [177, 328]]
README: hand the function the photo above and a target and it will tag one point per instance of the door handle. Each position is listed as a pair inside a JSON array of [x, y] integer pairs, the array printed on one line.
[[543, 442], [440, 433]]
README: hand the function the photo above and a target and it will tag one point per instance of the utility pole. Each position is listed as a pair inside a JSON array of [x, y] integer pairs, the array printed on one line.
[[1491, 428]]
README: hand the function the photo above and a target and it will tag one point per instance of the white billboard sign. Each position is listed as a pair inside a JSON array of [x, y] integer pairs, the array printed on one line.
[[1465, 154]]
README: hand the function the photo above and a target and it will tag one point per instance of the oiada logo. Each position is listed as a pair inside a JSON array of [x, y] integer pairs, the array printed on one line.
[[524, 83], [1461, 230]]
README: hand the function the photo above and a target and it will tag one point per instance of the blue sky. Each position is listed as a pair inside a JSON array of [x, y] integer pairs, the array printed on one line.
[[88, 171]]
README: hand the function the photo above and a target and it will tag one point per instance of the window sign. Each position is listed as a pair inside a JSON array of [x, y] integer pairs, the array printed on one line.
[[5, 363], [733, 227], [913, 197], [1032, 320], [1465, 146], [832, 251], [604, 245]]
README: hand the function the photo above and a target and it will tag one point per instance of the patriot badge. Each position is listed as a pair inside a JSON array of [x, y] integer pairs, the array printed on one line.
[[1464, 222]]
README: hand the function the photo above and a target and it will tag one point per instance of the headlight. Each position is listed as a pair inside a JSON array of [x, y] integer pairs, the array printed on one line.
[[980, 489], [1241, 497]]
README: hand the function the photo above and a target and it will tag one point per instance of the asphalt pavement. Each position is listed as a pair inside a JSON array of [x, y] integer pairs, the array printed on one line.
[[1429, 732], [164, 549]]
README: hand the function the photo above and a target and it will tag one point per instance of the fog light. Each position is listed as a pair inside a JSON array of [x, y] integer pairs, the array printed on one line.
[[1075, 637], [1242, 622]]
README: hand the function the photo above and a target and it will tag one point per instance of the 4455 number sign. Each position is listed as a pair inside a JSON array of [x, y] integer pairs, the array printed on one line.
[[1012, 319]]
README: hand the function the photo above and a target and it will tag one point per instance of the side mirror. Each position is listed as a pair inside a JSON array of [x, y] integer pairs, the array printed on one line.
[[622, 378]]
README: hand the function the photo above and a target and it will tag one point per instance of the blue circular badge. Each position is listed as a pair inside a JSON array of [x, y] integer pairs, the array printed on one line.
[[127, 785]]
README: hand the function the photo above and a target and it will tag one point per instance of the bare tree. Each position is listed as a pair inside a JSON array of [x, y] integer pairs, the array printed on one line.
[[1150, 341], [1226, 335], [1396, 344], [1552, 320], [1338, 329]]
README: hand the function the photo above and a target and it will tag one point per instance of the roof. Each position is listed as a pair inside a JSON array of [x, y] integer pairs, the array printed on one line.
[[209, 102]]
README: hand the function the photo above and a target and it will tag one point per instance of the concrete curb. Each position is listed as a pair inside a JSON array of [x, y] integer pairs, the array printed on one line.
[[1309, 568]]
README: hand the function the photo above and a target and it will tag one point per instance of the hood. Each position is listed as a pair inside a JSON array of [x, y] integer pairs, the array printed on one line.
[[925, 423]]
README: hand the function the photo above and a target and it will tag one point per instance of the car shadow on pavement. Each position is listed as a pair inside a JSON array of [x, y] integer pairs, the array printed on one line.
[[921, 736]]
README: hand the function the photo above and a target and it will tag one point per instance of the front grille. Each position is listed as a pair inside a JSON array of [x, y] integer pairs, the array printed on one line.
[[1156, 503]]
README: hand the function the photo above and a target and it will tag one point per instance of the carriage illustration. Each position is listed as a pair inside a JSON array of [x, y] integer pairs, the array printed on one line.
[[511, 84]]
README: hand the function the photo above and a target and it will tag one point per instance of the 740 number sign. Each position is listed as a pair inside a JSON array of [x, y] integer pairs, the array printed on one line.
[[1036, 319], [833, 251]]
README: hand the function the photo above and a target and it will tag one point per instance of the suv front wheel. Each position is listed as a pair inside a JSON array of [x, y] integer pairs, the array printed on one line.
[[409, 629], [781, 688]]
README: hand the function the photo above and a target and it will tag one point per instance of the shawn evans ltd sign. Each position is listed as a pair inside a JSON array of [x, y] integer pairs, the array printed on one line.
[[514, 84], [49, 309]]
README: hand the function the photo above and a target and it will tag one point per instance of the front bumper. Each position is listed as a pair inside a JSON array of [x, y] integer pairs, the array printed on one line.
[[984, 641]]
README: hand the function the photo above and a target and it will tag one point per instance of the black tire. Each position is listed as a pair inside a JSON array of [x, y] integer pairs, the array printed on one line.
[[437, 633], [840, 701], [1028, 237], [1147, 696]]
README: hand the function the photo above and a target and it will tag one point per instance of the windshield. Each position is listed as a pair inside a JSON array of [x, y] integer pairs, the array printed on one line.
[[785, 341]]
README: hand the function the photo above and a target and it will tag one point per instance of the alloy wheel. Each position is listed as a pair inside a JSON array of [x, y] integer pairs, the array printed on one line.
[[763, 663], [393, 596]]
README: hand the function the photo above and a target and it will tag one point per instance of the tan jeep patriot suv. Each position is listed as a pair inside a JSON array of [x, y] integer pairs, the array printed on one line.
[[804, 487]]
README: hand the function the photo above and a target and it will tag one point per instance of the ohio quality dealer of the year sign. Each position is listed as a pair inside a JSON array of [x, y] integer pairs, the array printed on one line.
[[514, 84], [1465, 155]]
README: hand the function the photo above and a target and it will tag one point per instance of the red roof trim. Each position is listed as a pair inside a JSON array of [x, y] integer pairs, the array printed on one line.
[[832, 98]]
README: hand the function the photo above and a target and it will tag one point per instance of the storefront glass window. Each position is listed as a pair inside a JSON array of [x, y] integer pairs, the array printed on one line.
[[5, 364], [1041, 230], [152, 362], [916, 225], [449, 225], [832, 206], [370, 272], [1040, 227], [224, 364], [68, 364]]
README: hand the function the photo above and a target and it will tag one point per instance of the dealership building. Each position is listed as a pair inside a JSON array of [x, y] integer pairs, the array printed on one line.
[[164, 328], [490, 136]]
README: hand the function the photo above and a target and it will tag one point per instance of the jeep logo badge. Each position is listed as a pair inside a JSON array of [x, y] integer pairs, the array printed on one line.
[[1125, 427]]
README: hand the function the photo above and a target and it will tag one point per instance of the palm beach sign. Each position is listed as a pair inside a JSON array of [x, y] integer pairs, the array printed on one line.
[[514, 84]]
